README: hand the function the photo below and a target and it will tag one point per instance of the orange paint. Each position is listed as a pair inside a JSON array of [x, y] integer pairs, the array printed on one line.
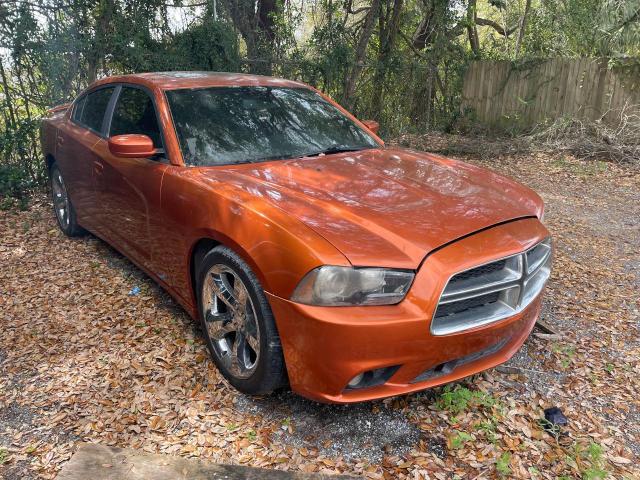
[[383, 207]]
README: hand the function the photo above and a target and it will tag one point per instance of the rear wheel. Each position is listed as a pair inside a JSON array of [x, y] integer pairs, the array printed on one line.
[[62, 206], [238, 324]]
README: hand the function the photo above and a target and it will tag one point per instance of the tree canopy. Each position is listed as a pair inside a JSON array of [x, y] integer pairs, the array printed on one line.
[[398, 61]]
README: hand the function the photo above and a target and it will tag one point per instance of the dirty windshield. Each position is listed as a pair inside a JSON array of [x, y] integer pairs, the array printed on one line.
[[227, 125]]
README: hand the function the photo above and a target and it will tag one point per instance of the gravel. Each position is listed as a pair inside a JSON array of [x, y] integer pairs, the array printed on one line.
[[367, 430]]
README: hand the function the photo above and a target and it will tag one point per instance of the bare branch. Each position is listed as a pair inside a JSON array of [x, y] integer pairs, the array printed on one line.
[[496, 26]]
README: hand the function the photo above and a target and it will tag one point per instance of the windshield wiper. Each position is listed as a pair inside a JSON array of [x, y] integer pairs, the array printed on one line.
[[335, 149], [271, 157]]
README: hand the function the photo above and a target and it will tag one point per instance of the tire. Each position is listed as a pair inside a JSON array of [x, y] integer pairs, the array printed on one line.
[[63, 209], [238, 324]]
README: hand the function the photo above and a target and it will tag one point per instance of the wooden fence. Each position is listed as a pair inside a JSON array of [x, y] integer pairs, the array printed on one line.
[[505, 95]]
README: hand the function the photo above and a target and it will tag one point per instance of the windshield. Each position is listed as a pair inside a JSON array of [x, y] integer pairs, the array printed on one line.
[[226, 125]]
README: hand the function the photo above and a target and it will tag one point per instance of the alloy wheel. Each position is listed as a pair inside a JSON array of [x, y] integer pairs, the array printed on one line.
[[231, 321], [60, 198]]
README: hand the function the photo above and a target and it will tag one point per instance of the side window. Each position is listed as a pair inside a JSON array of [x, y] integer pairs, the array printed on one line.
[[77, 111], [135, 113], [95, 106]]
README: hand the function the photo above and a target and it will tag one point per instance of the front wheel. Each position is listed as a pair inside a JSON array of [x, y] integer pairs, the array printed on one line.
[[62, 206], [238, 324]]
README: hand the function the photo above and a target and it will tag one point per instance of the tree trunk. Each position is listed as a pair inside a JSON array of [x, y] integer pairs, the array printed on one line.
[[7, 95], [523, 26], [361, 53], [102, 39], [254, 21], [426, 31], [472, 30], [388, 34]]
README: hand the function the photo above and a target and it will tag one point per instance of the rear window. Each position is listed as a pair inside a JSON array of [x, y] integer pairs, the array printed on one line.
[[94, 108], [77, 111]]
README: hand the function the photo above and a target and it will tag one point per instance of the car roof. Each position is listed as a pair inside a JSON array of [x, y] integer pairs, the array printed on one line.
[[176, 80]]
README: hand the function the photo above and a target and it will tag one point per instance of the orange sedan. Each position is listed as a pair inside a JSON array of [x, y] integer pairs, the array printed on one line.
[[312, 254]]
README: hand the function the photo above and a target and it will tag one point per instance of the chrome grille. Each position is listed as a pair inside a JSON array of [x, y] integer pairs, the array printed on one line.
[[481, 270], [493, 291], [460, 306]]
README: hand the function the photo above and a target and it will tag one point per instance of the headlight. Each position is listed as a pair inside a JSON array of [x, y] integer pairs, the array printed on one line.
[[334, 286]]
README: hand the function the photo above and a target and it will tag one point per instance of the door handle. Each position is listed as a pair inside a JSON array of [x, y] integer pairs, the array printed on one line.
[[98, 167]]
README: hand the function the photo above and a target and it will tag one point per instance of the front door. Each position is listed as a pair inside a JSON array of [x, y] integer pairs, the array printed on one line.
[[128, 189]]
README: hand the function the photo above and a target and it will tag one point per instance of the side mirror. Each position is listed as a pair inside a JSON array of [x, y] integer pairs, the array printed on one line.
[[372, 125], [132, 146]]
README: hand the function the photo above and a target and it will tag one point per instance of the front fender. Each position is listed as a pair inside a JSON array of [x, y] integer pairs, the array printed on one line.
[[279, 248]]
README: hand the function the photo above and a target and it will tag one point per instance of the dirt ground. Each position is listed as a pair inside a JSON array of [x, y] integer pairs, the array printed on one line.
[[83, 358]]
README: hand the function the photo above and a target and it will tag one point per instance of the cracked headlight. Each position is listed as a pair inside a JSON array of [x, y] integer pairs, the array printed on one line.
[[335, 286]]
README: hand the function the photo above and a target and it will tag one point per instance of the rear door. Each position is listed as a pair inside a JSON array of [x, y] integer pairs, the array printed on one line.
[[128, 189], [75, 151]]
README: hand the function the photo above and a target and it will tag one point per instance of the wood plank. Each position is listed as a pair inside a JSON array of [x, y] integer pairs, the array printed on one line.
[[576, 88], [545, 327], [467, 90], [594, 91], [473, 80], [100, 462], [568, 87], [485, 87], [504, 100], [616, 98], [511, 93], [517, 86], [530, 80], [543, 92], [573, 107], [550, 107], [546, 107], [476, 80], [562, 90], [497, 99]]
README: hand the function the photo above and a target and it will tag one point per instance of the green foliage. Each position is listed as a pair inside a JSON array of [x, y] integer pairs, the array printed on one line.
[[209, 45], [489, 429], [573, 28], [590, 460], [20, 168], [565, 352], [232, 427], [458, 399], [406, 71], [459, 439], [503, 464], [14, 185], [327, 58]]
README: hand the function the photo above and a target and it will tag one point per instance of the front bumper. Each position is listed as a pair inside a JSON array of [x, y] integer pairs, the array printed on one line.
[[325, 347]]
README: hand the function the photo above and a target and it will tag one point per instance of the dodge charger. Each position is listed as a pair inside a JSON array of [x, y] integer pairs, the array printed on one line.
[[313, 255]]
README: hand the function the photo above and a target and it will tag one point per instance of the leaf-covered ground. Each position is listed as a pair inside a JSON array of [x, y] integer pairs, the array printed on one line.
[[83, 360]]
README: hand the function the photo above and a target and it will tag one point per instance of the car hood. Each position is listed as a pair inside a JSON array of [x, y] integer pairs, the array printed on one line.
[[385, 207]]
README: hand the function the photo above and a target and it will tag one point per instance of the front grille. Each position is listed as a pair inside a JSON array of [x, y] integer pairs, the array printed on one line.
[[493, 291], [461, 306], [481, 270]]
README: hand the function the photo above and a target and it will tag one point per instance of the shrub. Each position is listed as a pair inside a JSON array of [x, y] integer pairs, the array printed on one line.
[[15, 186]]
